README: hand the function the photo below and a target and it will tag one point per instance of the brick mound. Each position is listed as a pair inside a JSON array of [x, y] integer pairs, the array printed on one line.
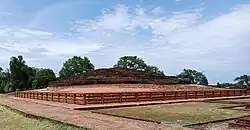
[[118, 76]]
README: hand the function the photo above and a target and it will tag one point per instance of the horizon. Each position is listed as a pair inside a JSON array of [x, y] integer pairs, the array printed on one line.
[[206, 35]]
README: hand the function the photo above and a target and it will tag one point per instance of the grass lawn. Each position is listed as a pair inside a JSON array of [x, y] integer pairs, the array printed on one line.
[[178, 113], [11, 120], [244, 100]]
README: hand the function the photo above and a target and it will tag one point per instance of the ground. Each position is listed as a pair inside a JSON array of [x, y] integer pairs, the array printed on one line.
[[179, 113], [126, 88], [172, 116], [11, 120], [85, 119]]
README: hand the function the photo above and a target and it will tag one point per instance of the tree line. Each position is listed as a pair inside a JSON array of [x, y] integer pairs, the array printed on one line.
[[19, 76]]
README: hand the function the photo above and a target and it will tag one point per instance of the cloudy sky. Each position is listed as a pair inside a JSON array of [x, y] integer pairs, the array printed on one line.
[[212, 36]]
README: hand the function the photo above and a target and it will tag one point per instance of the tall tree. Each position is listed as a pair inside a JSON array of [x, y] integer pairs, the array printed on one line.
[[17, 73], [30, 76], [76, 66], [194, 76], [243, 81], [134, 62], [131, 62], [5, 84], [42, 78], [21, 75], [2, 80]]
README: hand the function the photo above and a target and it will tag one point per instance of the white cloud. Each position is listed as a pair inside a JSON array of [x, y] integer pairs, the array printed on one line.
[[120, 20], [178, 40], [183, 39], [26, 40], [67, 48], [35, 32]]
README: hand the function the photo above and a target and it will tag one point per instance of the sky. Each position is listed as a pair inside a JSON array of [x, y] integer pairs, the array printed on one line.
[[211, 36]]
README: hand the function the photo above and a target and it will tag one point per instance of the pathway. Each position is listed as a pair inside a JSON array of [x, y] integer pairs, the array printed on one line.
[[83, 118]]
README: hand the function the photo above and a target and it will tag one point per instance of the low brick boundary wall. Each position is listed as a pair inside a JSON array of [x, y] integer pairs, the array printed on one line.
[[121, 97]]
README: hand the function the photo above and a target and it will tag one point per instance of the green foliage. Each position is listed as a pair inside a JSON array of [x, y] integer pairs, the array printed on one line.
[[20, 74], [243, 81], [18, 77], [42, 78], [76, 66], [224, 85], [154, 70], [131, 62], [134, 62], [21, 77], [5, 85], [194, 76]]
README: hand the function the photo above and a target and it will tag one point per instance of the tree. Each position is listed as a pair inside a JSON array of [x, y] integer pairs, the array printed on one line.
[[76, 66], [154, 70], [194, 76], [21, 75], [17, 72], [243, 81], [5, 84], [42, 78], [131, 62], [224, 85], [134, 62], [30, 76], [2, 80]]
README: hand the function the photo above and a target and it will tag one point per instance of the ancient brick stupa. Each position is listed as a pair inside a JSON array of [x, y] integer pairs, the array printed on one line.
[[119, 75]]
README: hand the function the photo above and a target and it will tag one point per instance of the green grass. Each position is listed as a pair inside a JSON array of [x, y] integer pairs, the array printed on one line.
[[11, 120], [179, 113], [244, 100]]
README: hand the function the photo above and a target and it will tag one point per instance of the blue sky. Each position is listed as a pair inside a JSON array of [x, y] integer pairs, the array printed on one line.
[[212, 36]]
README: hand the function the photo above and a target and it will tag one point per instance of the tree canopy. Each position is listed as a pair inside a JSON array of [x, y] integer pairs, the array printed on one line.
[[76, 66], [194, 76], [243, 81], [131, 62], [224, 85], [42, 78], [4, 80], [19, 76], [134, 62], [154, 70]]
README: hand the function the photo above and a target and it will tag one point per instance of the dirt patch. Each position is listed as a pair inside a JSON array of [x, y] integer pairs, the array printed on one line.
[[241, 123], [127, 88], [215, 126], [100, 89]]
